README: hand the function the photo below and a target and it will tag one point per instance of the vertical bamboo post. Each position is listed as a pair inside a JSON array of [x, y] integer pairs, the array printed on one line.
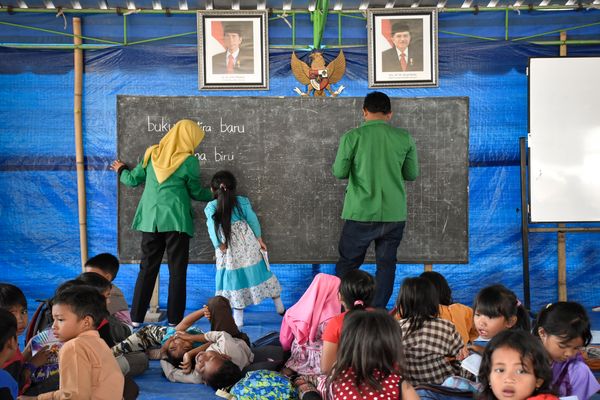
[[79, 160], [562, 265], [563, 46], [561, 236]]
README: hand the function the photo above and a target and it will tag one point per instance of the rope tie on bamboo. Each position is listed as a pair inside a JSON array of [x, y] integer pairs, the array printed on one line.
[[284, 18], [60, 13]]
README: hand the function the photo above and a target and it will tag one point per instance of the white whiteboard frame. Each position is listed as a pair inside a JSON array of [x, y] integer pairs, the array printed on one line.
[[564, 139]]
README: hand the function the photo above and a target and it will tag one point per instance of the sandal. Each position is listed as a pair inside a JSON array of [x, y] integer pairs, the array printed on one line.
[[306, 390]]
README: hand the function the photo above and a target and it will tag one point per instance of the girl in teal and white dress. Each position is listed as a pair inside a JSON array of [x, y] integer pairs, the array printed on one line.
[[242, 274]]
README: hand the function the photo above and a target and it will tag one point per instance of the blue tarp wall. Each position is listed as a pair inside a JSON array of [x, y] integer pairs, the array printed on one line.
[[39, 230]]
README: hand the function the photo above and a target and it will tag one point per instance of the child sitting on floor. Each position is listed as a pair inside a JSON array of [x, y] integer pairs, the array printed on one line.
[[9, 388], [223, 348], [459, 314], [515, 367], [301, 332], [46, 377], [564, 329], [107, 265], [370, 360], [21, 365], [428, 341], [87, 367], [497, 309], [357, 289]]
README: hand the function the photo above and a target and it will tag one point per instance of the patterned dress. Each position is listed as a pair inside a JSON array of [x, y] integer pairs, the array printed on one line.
[[242, 275], [345, 387]]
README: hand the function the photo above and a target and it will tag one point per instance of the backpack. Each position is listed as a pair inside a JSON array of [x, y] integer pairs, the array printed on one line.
[[261, 384], [41, 320]]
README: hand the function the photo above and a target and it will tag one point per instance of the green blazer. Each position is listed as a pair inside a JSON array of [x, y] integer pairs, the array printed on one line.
[[376, 158], [167, 207]]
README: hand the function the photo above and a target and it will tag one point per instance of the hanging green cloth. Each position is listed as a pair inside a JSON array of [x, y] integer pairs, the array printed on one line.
[[319, 19]]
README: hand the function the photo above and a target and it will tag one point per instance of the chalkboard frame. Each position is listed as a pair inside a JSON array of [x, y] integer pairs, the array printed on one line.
[[442, 108]]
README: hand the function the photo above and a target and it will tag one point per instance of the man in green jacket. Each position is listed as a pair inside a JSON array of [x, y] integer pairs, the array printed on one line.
[[171, 177], [376, 158]]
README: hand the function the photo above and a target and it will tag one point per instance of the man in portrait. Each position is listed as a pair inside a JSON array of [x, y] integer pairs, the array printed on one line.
[[402, 57], [236, 59]]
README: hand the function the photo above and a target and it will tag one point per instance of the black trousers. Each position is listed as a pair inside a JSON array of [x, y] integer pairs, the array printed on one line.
[[154, 244], [354, 242]]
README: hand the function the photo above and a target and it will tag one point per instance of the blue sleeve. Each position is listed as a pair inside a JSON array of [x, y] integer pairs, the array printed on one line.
[[249, 215], [583, 383], [209, 211]]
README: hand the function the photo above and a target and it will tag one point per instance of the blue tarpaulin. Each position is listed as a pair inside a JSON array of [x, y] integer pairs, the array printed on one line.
[[39, 223]]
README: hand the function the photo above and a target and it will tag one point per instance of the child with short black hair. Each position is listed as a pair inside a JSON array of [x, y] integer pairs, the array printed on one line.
[[87, 367], [515, 366], [112, 329], [496, 309], [13, 300], [459, 314], [564, 328], [21, 365], [429, 342], [107, 265], [357, 289], [9, 388], [370, 360]]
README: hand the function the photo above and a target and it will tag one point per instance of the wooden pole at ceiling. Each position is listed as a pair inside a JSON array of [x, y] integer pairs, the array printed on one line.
[[79, 160], [561, 236]]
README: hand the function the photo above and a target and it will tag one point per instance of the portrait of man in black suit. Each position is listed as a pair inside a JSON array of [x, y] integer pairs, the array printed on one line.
[[403, 56], [237, 59]]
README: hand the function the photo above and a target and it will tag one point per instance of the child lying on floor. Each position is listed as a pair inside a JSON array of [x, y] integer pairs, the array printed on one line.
[[190, 356]]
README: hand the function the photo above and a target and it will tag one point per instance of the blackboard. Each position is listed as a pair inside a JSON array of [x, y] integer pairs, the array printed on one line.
[[281, 150]]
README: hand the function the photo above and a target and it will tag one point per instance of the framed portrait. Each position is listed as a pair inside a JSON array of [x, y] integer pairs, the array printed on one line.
[[403, 48], [232, 50]]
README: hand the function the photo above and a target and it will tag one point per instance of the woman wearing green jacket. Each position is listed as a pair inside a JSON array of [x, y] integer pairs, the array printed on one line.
[[171, 177]]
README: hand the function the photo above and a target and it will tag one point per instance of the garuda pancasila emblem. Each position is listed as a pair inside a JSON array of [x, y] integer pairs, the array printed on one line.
[[319, 77]]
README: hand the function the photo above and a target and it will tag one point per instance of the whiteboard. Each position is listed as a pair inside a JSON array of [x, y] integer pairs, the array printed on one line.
[[564, 139]]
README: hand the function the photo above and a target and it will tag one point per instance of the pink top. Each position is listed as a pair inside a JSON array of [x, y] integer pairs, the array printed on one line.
[[318, 304]]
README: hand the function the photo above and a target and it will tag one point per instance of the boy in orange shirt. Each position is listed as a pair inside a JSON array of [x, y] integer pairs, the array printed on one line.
[[87, 367]]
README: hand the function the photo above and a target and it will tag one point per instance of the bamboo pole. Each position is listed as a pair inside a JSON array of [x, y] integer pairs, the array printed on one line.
[[79, 160], [354, 13], [561, 236], [562, 264], [563, 46]]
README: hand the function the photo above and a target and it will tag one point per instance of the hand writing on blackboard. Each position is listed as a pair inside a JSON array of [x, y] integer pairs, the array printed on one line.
[[116, 165], [263, 246]]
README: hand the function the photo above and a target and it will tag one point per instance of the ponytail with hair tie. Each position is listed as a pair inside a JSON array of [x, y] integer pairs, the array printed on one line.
[[223, 184]]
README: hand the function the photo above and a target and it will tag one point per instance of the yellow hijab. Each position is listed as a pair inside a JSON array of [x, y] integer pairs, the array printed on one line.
[[173, 149]]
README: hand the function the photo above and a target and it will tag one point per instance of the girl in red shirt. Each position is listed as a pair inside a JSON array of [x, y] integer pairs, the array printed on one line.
[[369, 363]]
